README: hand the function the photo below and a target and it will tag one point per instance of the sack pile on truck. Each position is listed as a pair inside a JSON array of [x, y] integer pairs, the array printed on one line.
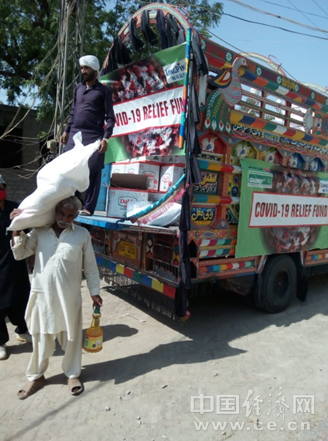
[[139, 182]]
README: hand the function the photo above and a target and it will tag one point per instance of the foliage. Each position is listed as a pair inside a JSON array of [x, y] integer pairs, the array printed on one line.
[[29, 34], [28, 29], [203, 14]]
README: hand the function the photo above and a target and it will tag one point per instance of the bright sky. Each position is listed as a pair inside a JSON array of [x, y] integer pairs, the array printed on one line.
[[303, 57]]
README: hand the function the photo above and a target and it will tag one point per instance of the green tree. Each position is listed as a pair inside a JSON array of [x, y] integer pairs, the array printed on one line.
[[29, 34], [28, 38]]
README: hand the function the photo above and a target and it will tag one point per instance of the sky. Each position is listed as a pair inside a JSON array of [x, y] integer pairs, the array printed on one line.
[[303, 57]]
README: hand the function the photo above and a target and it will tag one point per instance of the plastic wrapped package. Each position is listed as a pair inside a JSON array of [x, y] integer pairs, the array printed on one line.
[[56, 181]]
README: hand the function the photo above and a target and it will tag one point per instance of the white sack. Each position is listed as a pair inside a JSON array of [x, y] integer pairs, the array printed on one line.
[[164, 219], [168, 217], [57, 180], [133, 207]]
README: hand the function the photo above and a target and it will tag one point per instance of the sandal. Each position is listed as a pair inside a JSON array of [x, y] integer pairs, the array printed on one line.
[[31, 388], [75, 386]]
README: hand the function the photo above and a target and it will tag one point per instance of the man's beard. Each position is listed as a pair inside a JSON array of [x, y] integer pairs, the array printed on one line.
[[89, 77], [63, 225]]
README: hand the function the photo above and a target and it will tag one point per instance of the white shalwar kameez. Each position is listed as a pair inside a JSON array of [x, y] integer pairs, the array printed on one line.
[[54, 309]]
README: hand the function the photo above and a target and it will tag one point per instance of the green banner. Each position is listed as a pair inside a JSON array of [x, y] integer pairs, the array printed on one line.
[[282, 210], [147, 97]]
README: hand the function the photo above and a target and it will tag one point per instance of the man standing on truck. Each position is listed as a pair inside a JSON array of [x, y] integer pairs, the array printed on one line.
[[62, 251], [92, 108]]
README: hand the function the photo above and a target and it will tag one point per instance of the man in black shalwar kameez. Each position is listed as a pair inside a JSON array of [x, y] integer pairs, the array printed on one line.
[[14, 280], [91, 114]]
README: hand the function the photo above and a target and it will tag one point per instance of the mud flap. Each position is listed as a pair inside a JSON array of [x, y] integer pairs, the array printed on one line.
[[258, 291], [181, 301], [302, 287]]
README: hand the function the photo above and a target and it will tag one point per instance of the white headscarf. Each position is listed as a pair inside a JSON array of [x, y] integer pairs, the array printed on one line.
[[90, 61]]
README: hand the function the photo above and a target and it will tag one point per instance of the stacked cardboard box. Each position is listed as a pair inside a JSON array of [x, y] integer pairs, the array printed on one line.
[[144, 165], [170, 174], [159, 174], [125, 188]]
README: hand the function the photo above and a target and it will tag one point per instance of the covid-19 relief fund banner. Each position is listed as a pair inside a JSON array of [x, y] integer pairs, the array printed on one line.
[[281, 210], [147, 97]]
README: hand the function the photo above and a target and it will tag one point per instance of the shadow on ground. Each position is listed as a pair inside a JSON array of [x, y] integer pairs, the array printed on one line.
[[215, 322], [19, 348]]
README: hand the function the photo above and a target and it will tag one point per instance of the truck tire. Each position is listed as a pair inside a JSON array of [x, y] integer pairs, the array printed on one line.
[[279, 283]]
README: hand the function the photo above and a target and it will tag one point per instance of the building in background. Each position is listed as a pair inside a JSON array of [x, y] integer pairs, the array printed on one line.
[[21, 151]]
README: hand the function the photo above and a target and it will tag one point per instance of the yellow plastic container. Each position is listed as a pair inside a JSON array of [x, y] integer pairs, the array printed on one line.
[[93, 341]]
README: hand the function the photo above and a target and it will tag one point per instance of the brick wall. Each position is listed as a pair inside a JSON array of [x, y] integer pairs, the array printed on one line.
[[19, 184]]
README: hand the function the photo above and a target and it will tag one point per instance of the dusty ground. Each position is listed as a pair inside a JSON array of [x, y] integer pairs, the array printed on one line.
[[139, 387]]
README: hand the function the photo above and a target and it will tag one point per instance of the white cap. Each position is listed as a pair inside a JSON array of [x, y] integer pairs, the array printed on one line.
[[90, 61]]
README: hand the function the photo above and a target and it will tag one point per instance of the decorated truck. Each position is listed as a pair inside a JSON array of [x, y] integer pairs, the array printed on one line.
[[238, 147]]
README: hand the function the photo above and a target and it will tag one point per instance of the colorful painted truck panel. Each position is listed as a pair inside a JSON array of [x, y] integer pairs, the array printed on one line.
[[255, 215]]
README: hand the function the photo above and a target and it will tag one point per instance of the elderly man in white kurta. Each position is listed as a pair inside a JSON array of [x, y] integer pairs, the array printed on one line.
[[62, 251]]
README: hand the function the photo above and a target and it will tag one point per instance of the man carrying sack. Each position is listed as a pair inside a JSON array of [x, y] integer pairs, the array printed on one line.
[[62, 251]]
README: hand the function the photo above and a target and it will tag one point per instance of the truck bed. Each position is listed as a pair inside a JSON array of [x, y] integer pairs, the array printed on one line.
[[99, 219]]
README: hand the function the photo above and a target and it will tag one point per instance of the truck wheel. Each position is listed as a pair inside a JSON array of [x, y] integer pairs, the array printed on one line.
[[279, 283]]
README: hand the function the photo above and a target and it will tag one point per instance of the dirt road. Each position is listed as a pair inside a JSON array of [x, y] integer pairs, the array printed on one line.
[[231, 372]]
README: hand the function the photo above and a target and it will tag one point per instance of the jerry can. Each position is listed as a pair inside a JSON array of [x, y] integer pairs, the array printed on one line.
[[93, 341]]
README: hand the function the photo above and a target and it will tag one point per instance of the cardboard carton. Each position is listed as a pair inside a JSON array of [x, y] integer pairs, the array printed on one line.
[[170, 174], [150, 169], [125, 188], [118, 199], [154, 158], [118, 167], [174, 159]]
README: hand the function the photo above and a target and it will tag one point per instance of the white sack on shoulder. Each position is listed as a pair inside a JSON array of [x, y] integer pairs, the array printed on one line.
[[57, 180]]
